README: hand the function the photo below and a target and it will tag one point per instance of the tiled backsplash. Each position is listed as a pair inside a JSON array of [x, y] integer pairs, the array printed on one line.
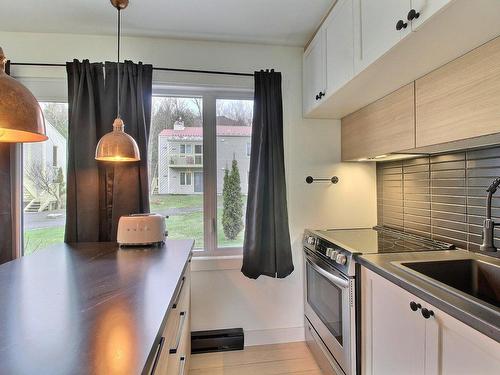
[[442, 197]]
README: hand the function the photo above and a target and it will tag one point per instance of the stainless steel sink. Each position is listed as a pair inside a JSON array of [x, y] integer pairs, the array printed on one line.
[[473, 277]]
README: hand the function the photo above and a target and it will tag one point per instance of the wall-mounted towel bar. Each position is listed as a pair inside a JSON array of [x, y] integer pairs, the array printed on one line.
[[333, 180]]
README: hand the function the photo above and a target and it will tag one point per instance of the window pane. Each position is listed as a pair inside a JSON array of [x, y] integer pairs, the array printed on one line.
[[44, 182], [177, 127], [234, 131]]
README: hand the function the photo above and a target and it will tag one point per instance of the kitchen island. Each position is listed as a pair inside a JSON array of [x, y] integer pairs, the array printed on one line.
[[89, 308]]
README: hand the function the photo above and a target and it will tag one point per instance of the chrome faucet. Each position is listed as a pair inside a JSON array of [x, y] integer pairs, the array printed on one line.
[[488, 224]]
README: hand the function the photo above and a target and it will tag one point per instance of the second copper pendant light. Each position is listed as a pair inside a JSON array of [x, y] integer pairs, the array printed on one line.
[[118, 146]]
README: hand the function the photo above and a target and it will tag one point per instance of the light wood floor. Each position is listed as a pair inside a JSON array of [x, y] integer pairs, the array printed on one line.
[[291, 358]]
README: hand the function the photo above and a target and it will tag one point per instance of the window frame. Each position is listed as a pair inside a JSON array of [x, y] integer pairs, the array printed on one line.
[[209, 96]]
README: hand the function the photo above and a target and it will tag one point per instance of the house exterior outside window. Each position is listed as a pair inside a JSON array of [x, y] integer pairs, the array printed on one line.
[[232, 141]]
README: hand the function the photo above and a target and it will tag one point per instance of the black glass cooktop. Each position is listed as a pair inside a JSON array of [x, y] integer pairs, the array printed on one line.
[[380, 240]]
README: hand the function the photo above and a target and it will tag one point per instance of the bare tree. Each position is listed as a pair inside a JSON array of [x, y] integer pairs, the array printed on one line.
[[57, 115], [239, 110], [198, 104], [45, 180]]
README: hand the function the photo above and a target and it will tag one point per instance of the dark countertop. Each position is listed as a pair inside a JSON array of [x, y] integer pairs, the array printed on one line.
[[87, 308], [482, 317]]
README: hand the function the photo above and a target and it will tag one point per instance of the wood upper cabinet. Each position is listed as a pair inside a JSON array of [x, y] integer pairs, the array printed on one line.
[[385, 126], [397, 340], [314, 73], [461, 99], [339, 45]]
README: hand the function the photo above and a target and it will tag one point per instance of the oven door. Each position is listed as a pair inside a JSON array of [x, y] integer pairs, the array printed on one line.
[[329, 306]]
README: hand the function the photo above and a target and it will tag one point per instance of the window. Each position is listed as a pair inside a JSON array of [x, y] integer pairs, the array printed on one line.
[[185, 178], [198, 157], [171, 185], [44, 182], [212, 140], [234, 132]]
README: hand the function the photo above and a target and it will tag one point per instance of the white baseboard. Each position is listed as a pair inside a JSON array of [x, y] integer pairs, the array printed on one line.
[[274, 336]]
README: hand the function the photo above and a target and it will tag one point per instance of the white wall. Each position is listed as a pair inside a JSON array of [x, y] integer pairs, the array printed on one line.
[[269, 310]]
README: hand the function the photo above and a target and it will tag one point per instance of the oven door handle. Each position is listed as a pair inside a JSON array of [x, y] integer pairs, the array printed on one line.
[[333, 278]]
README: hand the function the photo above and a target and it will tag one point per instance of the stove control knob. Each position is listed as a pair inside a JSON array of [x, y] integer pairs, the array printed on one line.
[[329, 252], [334, 255], [311, 240], [341, 259]]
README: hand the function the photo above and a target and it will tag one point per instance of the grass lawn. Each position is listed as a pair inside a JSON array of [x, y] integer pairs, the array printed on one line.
[[35, 239], [159, 202], [183, 225]]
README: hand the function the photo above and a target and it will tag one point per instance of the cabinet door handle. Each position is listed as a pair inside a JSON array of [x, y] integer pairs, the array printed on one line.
[[321, 94], [401, 25], [179, 334], [317, 97], [158, 354], [413, 15], [427, 313], [182, 366], [415, 306], [178, 294]]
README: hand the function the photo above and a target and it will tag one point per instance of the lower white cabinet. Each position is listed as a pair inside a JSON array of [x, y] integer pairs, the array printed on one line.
[[397, 340]]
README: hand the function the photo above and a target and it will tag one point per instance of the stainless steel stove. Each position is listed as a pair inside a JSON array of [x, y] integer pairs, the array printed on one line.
[[331, 287]]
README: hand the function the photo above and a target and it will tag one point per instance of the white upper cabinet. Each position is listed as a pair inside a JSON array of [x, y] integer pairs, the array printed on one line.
[[423, 10], [314, 72], [339, 36], [376, 28]]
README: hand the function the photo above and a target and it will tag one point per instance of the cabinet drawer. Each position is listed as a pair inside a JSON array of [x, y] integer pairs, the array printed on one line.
[[183, 295], [175, 347], [178, 361]]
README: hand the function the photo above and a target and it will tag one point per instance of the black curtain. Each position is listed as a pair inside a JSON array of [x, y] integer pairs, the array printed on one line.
[[267, 249], [85, 117], [6, 250], [99, 193]]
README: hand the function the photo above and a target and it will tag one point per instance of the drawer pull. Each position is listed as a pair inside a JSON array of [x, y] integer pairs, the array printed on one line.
[[182, 366], [178, 295], [158, 354], [179, 333]]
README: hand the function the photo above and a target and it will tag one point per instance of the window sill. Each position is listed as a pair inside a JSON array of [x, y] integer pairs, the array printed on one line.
[[216, 262]]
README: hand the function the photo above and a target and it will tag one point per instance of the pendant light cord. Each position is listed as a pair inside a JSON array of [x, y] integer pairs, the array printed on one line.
[[118, 66]]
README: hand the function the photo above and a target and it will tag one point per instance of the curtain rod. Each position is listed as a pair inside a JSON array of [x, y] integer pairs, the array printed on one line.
[[154, 68]]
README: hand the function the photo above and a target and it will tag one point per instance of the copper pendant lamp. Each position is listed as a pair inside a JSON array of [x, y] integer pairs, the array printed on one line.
[[21, 118], [118, 146]]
